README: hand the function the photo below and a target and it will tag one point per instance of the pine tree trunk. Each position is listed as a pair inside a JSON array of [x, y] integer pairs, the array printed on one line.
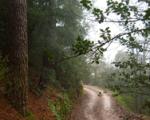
[[18, 55]]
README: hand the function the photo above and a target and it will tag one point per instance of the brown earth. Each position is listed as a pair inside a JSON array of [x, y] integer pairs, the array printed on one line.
[[38, 106]]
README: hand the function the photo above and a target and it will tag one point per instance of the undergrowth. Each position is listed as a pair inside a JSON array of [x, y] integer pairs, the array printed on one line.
[[61, 107], [30, 116], [125, 101]]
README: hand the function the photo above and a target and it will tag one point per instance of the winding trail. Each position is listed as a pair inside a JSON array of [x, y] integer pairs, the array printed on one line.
[[94, 107]]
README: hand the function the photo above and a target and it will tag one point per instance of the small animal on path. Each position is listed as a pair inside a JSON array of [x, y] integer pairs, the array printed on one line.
[[99, 93]]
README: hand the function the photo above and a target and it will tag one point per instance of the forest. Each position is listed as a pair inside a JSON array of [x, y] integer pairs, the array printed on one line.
[[75, 60]]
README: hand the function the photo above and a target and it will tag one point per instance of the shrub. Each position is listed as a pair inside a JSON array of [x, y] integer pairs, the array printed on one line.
[[61, 107]]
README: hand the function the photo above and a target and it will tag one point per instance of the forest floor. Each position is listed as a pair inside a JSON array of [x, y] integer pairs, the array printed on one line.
[[100, 107], [89, 107], [38, 108]]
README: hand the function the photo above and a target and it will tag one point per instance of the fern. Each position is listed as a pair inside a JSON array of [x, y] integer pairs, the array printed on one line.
[[61, 107]]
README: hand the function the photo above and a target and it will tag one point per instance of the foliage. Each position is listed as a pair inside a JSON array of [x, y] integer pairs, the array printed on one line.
[[128, 15], [61, 107], [30, 116], [57, 44], [125, 101], [82, 46], [86, 3], [128, 78], [130, 75], [54, 62], [53, 27], [133, 78]]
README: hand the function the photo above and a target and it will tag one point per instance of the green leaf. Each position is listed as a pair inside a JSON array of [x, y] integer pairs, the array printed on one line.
[[86, 3]]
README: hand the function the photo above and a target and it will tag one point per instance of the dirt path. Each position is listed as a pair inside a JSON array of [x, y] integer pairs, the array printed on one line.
[[94, 107]]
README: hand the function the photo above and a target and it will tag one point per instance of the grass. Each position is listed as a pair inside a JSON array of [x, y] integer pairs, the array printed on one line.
[[125, 101]]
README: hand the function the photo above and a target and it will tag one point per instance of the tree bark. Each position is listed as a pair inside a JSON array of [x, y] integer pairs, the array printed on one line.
[[18, 55]]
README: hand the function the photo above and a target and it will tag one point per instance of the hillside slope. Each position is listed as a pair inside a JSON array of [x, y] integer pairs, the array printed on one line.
[[38, 108]]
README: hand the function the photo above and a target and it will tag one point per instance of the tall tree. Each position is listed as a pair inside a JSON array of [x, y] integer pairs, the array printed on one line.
[[51, 35], [18, 54]]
